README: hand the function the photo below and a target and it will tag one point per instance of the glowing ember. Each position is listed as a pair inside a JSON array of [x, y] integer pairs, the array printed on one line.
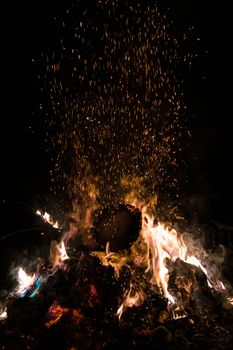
[[47, 218], [56, 312], [25, 282], [230, 299], [177, 314]]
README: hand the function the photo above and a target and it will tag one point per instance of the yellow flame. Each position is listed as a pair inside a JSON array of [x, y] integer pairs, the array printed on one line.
[[58, 254], [47, 217], [131, 299], [25, 281], [161, 243], [177, 314], [222, 285], [3, 315], [194, 261], [116, 260]]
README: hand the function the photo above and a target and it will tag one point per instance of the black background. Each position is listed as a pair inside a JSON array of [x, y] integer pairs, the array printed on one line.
[[208, 89]]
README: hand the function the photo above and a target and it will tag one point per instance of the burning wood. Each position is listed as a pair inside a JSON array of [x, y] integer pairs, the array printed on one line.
[[57, 254], [132, 298], [155, 282], [25, 282], [47, 218]]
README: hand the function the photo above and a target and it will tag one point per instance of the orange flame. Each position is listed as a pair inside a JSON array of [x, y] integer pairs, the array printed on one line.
[[160, 243], [163, 242], [56, 311], [111, 259]]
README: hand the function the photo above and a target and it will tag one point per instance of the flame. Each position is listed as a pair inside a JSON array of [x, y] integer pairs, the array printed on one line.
[[36, 287], [47, 218], [3, 315], [222, 285], [25, 282], [55, 313], [157, 244], [194, 261], [217, 285], [163, 242], [116, 260], [177, 314], [58, 254], [71, 230], [133, 298]]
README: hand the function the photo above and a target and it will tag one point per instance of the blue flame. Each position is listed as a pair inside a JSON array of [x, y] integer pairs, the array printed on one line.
[[32, 290], [36, 287], [24, 293]]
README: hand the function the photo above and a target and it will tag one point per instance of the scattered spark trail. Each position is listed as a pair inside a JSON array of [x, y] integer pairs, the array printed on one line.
[[115, 101]]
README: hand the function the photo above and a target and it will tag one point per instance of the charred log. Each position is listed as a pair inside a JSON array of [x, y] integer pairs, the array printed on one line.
[[118, 225]]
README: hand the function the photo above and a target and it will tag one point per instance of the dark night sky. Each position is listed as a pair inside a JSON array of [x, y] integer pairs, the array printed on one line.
[[24, 161]]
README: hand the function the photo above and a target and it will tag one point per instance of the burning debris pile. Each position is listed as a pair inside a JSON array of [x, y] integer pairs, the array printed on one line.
[[116, 277], [147, 292]]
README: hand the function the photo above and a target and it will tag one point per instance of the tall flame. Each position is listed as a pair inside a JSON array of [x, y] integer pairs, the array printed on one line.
[[160, 243], [163, 242]]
